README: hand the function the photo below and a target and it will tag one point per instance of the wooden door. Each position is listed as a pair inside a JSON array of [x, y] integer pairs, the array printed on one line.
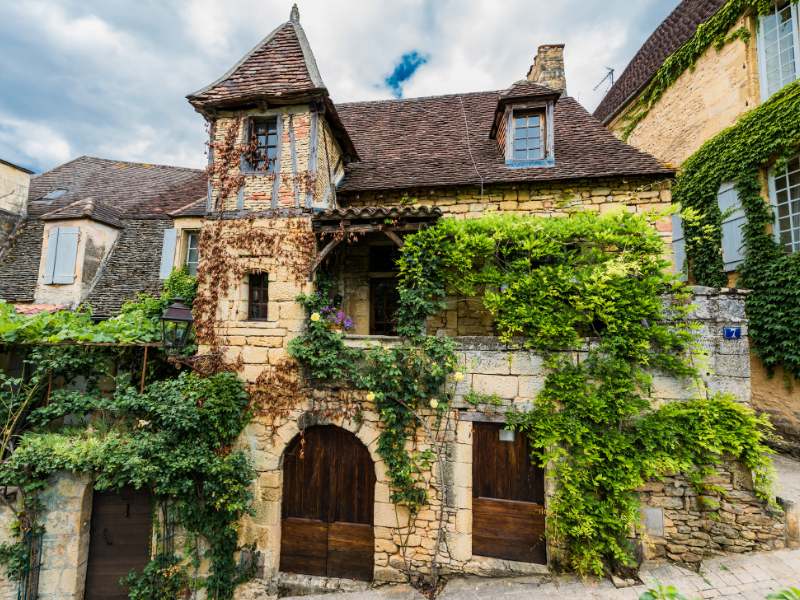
[[119, 541], [328, 496], [508, 515]]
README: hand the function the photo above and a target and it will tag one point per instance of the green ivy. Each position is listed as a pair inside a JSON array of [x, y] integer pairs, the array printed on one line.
[[401, 380], [737, 154], [712, 33], [550, 285]]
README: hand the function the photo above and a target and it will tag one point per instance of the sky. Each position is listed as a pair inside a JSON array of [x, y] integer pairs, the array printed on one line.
[[108, 78]]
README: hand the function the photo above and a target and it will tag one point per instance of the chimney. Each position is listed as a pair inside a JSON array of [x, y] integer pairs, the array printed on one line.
[[548, 67]]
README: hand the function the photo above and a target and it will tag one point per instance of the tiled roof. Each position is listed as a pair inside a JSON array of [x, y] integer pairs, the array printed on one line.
[[19, 266], [193, 209], [444, 140], [134, 190], [673, 32], [526, 89], [131, 268], [355, 213], [281, 65], [88, 208], [35, 309]]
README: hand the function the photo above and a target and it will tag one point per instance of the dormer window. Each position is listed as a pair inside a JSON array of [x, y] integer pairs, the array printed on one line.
[[528, 134], [262, 150]]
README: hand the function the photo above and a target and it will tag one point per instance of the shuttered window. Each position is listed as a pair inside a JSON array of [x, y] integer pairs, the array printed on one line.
[[192, 252], [168, 253], [678, 246], [62, 254], [779, 48], [733, 220]]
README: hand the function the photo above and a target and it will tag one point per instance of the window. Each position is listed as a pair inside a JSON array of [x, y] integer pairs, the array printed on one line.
[[192, 252], [263, 150], [785, 193], [384, 298], [529, 134], [52, 195], [62, 252], [258, 296], [778, 44]]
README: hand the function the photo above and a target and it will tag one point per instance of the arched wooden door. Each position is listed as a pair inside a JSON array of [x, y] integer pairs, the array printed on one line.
[[327, 509]]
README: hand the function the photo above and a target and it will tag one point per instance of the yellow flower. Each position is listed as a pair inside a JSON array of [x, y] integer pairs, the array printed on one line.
[[315, 317], [370, 396], [434, 403], [458, 376]]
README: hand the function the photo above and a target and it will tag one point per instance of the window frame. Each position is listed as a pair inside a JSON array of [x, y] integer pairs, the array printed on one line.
[[548, 155], [528, 113], [246, 165], [762, 43], [252, 304], [794, 232], [188, 235]]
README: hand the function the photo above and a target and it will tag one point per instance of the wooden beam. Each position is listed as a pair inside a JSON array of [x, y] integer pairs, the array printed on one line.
[[369, 228], [394, 237], [324, 253]]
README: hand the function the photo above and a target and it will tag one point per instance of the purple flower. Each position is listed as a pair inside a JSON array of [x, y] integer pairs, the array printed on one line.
[[340, 316], [348, 323]]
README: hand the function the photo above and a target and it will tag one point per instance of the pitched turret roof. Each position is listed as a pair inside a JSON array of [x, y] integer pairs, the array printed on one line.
[[281, 67]]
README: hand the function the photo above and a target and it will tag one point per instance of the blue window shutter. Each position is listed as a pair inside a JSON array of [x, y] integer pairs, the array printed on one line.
[[66, 255], [733, 220], [678, 246], [168, 253], [52, 248]]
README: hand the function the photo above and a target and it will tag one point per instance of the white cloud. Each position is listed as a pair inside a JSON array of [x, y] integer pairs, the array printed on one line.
[[20, 140], [111, 78]]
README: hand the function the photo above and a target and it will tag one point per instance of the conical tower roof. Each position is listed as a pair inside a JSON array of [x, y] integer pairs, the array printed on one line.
[[280, 68]]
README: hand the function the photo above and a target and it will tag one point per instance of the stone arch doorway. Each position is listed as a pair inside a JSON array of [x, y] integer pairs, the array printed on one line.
[[327, 505]]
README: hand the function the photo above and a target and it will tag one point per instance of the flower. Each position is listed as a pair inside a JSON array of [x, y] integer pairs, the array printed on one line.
[[434, 403], [348, 323], [370, 396], [315, 317], [458, 376], [143, 423]]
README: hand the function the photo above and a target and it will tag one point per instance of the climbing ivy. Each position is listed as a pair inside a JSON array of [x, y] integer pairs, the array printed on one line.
[[404, 382], [713, 32], [737, 154], [587, 292]]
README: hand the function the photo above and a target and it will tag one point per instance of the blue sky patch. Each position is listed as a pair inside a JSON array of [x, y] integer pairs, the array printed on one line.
[[403, 70]]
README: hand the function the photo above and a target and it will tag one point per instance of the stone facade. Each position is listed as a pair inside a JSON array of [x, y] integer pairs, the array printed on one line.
[[704, 100], [309, 159], [14, 184]]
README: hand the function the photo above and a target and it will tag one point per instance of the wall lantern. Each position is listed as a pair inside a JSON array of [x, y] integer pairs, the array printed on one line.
[[176, 325]]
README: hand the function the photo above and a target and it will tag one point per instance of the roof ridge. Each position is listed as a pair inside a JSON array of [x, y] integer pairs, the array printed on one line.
[[435, 97], [136, 162]]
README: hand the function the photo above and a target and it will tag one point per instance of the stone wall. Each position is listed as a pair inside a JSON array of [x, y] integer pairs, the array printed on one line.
[[702, 102], [8, 588], [685, 525]]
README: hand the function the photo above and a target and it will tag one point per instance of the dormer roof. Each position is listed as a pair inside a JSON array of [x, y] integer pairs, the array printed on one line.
[[280, 69], [521, 92], [87, 208]]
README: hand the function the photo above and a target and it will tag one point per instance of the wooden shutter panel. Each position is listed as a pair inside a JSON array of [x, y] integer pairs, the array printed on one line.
[[168, 252], [732, 222], [678, 246], [50, 261], [66, 255]]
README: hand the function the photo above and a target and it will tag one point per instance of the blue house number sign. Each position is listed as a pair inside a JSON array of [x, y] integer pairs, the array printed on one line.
[[732, 333]]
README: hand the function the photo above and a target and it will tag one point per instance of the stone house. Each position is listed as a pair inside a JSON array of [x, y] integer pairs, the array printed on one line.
[[297, 184], [14, 182], [758, 59]]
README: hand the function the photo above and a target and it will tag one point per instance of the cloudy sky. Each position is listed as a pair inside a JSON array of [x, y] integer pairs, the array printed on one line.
[[108, 77]]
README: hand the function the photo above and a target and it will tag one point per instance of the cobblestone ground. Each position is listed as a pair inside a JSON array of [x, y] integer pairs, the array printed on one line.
[[742, 577]]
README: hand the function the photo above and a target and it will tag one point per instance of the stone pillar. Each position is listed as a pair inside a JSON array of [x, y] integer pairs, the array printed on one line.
[[66, 517], [548, 67]]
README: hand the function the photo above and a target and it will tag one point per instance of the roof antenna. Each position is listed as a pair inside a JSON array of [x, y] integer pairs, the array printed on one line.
[[609, 75], [294, 16]]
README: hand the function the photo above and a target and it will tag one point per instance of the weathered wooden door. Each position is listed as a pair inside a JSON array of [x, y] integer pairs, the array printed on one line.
[[508, 515], [328, 495], [119, 541]]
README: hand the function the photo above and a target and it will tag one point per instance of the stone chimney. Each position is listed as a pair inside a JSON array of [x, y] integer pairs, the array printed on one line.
[[548, 67]]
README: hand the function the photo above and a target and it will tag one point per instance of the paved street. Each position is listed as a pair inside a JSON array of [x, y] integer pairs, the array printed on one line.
[[746, 577]]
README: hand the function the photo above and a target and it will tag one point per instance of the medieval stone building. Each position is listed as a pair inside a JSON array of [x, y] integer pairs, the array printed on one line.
[[297, 184], [728, 80]]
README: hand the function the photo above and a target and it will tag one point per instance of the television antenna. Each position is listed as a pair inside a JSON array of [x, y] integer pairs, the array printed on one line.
[[609, 76]]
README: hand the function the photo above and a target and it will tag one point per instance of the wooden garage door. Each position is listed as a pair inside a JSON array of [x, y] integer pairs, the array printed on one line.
[[119, 542], [328, 495], [508, 497]]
